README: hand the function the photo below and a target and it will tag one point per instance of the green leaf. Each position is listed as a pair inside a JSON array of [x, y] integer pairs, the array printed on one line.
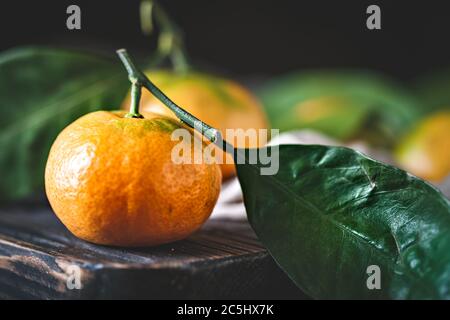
[[344, 105], [42, 90], [331, 212]]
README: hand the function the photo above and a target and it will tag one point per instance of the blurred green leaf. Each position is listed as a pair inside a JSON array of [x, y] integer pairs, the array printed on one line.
[[42, 90], [344, 105], [330, 213], [434, 91]]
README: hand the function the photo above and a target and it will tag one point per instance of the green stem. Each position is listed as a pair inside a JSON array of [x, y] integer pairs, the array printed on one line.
[[170, 41], [145, 15], [139, 79], [135, 99], [179, 60]]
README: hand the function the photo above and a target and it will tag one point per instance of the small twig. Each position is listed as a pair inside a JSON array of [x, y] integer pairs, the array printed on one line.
[[139, 79], [170, 39]]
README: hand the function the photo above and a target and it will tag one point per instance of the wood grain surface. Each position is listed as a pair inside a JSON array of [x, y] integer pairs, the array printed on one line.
[[224, 260]]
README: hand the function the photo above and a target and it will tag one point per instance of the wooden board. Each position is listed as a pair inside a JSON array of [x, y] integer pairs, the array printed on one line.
[[222, 260]]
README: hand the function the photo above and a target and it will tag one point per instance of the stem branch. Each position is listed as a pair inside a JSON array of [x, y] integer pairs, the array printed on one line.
[[139, 79], [135, 99]]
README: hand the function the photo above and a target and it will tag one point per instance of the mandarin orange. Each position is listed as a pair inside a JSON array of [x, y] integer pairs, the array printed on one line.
[[111, 180]]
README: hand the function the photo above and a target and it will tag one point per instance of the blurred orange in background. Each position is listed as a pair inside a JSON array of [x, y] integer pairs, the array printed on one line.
[[425, 151]]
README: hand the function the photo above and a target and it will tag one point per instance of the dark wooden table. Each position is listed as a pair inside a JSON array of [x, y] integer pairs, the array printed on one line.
[[39, 257]]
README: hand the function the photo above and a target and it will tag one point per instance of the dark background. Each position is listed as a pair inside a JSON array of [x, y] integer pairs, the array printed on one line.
[[252, 37]]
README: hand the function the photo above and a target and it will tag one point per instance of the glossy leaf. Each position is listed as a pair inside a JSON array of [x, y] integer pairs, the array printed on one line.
[[344, 105], [330, 213], [41, 91]]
